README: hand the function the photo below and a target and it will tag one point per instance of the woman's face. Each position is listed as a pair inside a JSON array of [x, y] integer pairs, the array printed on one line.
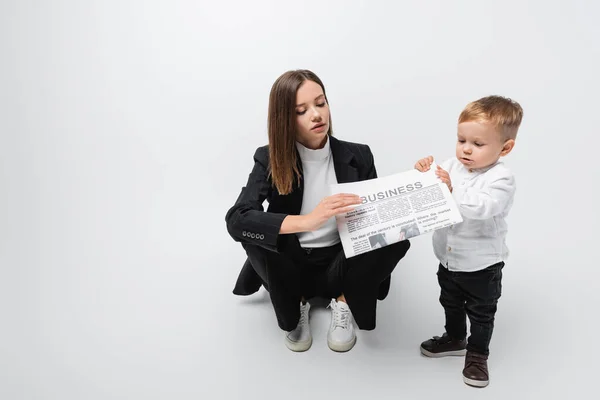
[[312, 115]]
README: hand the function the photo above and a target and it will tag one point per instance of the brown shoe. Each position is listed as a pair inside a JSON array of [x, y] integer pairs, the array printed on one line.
[[443, 346], [476, 370]]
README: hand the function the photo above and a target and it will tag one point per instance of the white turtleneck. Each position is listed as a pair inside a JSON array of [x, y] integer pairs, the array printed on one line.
[[319, 173]]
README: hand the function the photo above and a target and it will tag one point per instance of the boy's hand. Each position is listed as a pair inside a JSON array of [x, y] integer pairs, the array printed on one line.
[[424, 164], [444, 176]]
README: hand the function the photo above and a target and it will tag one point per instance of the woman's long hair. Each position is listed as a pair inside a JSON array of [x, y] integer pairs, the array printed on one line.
[[284, 167]]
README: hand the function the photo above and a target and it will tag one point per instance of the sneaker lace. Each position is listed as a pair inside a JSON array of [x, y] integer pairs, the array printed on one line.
[[341, 317], [303, 317]]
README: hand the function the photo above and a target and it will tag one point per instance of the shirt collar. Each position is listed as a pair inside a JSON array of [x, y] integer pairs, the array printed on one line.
[[307, 154], [479, 170]]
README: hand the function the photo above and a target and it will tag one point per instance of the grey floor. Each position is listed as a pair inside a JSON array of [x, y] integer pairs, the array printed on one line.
[[530, 358], [162, 327]]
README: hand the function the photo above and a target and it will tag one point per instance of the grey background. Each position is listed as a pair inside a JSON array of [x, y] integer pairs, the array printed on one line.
[[127, 129]]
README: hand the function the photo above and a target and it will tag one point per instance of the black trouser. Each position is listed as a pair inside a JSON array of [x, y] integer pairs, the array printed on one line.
[[326, 272], [472, 294]]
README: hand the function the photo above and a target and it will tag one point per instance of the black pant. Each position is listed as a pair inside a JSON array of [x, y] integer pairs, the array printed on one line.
[[472, 294], [296, 272]]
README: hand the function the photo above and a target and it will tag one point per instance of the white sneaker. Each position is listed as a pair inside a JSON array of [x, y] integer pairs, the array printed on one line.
[[341, 335], [300, 339]]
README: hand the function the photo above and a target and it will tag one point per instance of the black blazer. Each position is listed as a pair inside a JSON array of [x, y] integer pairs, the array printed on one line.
[[249, 224]]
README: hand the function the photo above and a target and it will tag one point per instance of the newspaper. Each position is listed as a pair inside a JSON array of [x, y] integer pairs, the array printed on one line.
[[394, 208]]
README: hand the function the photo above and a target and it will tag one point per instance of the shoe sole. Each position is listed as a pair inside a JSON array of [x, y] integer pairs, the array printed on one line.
[[454, 353], [472, 382], [342, 347], [298, 346]]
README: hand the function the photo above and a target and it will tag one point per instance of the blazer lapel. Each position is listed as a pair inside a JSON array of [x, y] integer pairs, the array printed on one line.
[[345, 171]]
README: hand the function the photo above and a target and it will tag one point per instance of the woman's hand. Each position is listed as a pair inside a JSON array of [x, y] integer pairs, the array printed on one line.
[[329, 207]]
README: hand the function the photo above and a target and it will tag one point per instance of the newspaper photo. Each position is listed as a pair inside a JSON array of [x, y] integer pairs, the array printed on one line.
[[394, 208]]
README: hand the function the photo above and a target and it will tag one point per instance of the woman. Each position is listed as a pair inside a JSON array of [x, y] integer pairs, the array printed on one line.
[[294, 247]]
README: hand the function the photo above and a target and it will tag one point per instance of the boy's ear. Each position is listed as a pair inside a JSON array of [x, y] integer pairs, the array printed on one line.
[[507, 148]]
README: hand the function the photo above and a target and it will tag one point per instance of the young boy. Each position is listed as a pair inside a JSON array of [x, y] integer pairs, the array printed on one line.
[[472, 253]]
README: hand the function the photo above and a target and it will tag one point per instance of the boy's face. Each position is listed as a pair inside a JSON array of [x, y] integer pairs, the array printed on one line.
[[480, 144]]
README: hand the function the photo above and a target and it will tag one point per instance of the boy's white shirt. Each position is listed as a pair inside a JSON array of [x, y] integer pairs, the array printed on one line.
[[484, 198]]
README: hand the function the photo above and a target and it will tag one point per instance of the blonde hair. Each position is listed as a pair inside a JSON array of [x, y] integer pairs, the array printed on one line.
[[502, 112]]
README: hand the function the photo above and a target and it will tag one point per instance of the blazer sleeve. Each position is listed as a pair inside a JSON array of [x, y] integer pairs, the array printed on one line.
[[247, 222]]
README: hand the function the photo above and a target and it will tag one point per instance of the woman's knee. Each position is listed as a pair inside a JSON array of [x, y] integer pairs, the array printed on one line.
[[379, 263], [398, 250]]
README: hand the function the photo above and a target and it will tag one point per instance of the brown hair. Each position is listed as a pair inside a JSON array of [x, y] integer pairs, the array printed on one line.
[[502, 112], [284, 168]]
